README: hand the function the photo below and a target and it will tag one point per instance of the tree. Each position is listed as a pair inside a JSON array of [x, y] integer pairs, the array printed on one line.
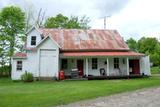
[[34, 17], [150, 46], [12, 24], [65, 22], [147, 45], [57, 21], [132, 44], [3, 50]]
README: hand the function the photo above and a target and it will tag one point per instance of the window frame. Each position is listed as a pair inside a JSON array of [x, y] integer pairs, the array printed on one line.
[[94, 63], [19, 65], [116, 63], [33, 41]]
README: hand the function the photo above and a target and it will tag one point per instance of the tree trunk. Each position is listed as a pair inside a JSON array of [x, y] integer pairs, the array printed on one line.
[[12, 45]]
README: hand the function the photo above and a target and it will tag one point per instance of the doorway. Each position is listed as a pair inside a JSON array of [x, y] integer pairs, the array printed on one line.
[[134, 66], [80, 67]]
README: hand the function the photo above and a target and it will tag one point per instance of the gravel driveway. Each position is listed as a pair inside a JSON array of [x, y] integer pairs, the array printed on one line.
[[140, 98]]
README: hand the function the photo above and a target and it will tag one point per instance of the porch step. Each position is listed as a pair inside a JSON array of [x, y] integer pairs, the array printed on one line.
[[74, 74]]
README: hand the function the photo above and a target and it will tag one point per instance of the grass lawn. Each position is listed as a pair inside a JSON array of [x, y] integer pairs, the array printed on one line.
[[50, 93]]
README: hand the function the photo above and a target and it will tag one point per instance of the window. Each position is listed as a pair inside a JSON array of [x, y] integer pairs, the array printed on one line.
[[116, 62], [94, 63], [19, 65], [33, 40], [64, 64]]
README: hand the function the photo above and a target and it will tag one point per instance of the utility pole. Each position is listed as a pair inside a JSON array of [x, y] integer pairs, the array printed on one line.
[[105, 18]]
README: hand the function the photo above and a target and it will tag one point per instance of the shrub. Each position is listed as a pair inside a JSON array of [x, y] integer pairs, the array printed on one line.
[[27, 77], [4, 71]]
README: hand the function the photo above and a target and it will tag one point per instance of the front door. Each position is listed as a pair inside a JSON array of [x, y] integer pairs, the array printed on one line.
[[80, 66], [134, 65]]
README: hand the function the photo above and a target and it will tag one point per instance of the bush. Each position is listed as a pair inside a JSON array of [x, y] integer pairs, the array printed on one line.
[[4, 71], [27, 77], [155, 70]]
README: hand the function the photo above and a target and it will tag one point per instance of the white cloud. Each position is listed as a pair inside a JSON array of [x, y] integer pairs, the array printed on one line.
[[139, 18]]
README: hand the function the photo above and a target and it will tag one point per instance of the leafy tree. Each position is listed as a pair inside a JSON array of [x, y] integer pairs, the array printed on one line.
[[12, 24], [73, 23], [150, 46], [84, 22], [65, 22], [133, 45], [57, 21], [147, 45], [155, 55], [3, 50]]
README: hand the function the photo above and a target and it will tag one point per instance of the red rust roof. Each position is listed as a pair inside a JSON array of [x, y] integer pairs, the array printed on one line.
[[78, 54], [93, 39], [20, 55]]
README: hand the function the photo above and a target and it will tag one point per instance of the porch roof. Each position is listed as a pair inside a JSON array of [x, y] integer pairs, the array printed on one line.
[[79, 54], [20, 55]]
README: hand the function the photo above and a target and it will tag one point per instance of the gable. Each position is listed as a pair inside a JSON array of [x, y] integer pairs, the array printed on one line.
[[31, 29], [47, 43], [33, 32]]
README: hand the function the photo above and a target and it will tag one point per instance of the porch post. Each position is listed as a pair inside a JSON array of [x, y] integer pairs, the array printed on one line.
[[86, 66], [127, 66], [107, 67]]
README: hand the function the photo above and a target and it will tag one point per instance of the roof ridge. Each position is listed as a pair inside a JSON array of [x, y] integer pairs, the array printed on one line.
[[78, 29]]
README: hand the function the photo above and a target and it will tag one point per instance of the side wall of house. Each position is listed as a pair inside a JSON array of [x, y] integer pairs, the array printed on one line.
[[112, 71], [32, 63], [122, 66], [43, 62], [100, 65], [16, 74], [145, 66], [48, 59], [36, 33], [72, 64], [29, 64]]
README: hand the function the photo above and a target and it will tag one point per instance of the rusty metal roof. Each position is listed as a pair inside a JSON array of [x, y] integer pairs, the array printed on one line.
[[92, 39]]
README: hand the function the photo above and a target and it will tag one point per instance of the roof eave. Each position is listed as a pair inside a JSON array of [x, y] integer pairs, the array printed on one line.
[[93, 50], [19, 57]]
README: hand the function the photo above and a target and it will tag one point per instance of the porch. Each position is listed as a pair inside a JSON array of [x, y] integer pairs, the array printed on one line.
[[100, 67]]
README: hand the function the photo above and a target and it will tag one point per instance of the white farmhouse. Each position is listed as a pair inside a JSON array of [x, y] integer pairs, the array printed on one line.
[[81, 53]]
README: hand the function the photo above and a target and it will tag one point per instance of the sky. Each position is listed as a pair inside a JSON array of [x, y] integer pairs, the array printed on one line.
[[132, 18]]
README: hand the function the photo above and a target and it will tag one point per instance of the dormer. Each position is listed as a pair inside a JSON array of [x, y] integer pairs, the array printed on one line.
[[34, 36]]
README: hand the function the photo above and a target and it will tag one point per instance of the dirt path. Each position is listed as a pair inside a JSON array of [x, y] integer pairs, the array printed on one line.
[[140, 98]]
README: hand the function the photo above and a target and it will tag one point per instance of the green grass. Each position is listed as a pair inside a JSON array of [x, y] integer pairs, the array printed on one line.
[[50, 93], [155, 70]]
